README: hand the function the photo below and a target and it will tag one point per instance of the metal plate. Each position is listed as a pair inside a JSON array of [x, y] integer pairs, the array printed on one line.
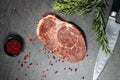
[[20, 16]]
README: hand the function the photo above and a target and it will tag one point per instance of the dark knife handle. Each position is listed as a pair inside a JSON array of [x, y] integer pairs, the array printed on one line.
[[116, 5]]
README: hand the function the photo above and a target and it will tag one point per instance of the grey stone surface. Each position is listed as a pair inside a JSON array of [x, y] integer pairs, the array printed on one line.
[[23, 18]]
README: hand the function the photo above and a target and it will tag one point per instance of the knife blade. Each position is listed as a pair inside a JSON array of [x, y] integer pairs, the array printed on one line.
[[112, 32]]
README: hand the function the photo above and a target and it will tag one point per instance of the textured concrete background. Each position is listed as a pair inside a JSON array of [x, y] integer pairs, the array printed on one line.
[[20, 16]]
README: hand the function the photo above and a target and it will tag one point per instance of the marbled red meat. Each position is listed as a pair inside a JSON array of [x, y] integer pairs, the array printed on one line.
[[62, 38]]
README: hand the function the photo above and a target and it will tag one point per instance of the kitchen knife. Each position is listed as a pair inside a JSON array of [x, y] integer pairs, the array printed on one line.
[[112, 32]]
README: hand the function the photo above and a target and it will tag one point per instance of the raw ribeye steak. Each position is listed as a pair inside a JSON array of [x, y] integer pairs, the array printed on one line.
[[62, 38]]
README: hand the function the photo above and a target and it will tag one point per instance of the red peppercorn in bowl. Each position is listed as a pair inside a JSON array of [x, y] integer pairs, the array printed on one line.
[[13, 44]]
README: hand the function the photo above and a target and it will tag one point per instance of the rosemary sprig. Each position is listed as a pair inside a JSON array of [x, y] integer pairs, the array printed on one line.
[[72, 6], [85, 6], [99, 28], [99, 25]]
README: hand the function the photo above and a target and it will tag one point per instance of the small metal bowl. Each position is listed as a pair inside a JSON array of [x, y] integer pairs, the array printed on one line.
[[13, 45]]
